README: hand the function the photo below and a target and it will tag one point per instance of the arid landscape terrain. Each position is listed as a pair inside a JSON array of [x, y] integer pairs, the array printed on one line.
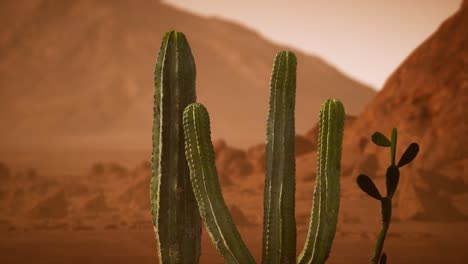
[[76, 82]]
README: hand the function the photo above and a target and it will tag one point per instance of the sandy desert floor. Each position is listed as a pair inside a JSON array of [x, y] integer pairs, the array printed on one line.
[[406, 243], [80, 236]]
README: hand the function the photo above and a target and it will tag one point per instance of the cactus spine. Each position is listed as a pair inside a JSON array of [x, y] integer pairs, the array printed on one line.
[[392, 178], [279, 225], [326, 203], [176, 219], [205, 183]]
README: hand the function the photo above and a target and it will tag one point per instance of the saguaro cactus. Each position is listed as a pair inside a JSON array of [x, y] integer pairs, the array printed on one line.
[[279, 224], [176, 219], [185, 184], [279, 241], [326, 204], [204, 177]]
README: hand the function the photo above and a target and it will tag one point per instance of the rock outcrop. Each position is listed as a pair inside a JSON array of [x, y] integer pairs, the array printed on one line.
[[425, 99]]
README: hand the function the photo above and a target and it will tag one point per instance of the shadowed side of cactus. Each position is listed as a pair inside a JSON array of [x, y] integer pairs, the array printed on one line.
[[205, 183], [326, 202], [279, 225], [176, 219]]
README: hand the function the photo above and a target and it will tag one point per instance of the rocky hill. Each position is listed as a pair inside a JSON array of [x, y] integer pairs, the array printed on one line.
[[79, 74], [425, 99]]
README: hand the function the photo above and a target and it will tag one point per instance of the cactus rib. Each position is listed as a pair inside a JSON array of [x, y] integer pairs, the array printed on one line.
[[326, 202], [176, 219], [205, 183], [279, 231]]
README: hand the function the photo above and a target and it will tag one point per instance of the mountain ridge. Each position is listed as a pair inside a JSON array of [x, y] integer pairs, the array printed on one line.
[[81, 75], [425, 98]]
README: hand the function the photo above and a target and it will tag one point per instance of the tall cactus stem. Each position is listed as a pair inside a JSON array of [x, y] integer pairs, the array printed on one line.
[[206, 186], [279, 225], [176, 219], [326, 202]]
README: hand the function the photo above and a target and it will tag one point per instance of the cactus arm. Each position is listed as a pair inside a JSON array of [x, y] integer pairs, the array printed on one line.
[[326, 203], [176, 219], [279, 232], [205, 183]]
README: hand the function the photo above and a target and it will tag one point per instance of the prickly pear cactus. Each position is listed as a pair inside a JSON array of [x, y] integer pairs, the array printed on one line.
[[392, 178]]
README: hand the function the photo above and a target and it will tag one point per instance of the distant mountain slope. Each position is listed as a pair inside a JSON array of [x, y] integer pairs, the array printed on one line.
[[426, 98], [80, 74]]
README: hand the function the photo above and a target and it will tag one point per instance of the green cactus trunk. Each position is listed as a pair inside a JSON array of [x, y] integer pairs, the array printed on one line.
[[326, 203], [279, 225], [176, 219], [205, 183]]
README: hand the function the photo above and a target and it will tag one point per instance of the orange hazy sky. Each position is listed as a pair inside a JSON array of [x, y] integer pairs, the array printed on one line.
[[366, 39]]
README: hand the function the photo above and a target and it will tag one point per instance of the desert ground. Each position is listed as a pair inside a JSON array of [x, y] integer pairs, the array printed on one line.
[[107, 220], [406, 243]]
